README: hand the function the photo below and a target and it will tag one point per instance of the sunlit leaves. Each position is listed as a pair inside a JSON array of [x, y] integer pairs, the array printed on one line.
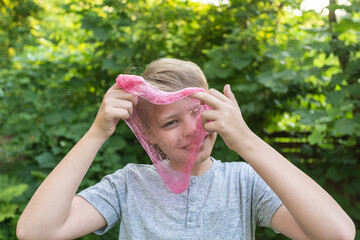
[[10, 188], [15, 28], [318, 134]]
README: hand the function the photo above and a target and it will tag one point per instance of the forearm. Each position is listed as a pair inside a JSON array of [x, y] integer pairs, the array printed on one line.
[[317, 213], [50, 205]]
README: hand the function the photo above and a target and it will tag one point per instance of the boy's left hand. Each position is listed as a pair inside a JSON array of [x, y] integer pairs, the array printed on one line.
[[225, 117]]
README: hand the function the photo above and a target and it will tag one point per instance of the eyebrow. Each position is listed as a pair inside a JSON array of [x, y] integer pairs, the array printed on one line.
[[189, 109], [175, 115]]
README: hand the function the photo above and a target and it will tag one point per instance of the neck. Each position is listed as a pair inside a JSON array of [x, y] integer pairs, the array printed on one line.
[[201, 167]]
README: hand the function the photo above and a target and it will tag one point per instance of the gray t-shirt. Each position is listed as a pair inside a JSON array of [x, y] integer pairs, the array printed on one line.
[[226, 202]]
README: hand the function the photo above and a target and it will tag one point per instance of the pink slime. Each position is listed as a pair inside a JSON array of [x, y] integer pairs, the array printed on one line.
[[177, 181]]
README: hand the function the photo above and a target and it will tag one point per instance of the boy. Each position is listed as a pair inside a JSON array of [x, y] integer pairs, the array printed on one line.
[[223, 200]]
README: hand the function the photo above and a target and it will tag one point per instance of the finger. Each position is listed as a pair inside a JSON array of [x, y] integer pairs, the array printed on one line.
[[210, 115], [120, 113], [123, 95], [218, 95], [130, 97], [210, 126], [199, 96], [208, 99], [123, 104], [229, 94], [111, 102]]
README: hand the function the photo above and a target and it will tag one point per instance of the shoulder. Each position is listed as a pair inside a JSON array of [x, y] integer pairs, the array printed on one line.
[[242, 168], [135, 169], [240, 172], [236, 165], [131, 170]]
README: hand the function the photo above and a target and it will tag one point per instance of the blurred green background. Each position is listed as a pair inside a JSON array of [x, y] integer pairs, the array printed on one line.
[[295, 73]]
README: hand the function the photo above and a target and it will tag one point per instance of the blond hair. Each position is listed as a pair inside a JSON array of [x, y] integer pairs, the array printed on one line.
[[170, 74]]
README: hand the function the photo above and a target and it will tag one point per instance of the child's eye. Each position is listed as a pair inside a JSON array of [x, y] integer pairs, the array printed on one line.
[[169, 123]]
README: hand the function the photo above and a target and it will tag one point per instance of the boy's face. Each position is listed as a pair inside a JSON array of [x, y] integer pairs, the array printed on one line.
[[175, 127]]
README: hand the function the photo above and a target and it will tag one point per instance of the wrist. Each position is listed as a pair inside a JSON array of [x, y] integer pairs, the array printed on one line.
[[96, 134], [248, 143]]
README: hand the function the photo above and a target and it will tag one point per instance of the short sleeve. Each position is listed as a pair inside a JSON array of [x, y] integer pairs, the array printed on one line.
[[265, 201], [105, 197]]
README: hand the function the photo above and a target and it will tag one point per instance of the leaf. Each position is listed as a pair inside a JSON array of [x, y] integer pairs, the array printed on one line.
[[353, 187], [240, 62], [216, 70], [101, 33], [109, 64], [316, 137], [334, 174], [90, 21], [38, 175], [53, 118], [216, 53], [354, 90], [275, 81], [320, 46], [46, 160], [346, 24], [9, 193], [333, 7], [7, 210], [336, 98], [10, 188], [345, 126]]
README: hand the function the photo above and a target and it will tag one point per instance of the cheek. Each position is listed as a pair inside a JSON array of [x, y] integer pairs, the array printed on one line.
[[170, 138]]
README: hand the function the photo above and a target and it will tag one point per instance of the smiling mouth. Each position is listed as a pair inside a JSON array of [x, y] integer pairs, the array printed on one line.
[[188, 146]]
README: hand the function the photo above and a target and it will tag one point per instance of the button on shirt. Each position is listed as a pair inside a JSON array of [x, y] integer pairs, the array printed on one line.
[[226, 202]]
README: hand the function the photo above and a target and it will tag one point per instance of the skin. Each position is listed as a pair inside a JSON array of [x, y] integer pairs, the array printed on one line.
[[308, 211], [173, 129]]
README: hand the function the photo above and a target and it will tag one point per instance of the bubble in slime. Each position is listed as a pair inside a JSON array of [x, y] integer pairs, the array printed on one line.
[[172, 148]]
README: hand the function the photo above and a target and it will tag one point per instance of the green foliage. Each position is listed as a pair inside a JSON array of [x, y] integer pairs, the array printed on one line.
[[10, 191], [293, 74], [15, 26]]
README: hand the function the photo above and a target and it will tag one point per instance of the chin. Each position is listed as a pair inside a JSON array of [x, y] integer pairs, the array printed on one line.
[[202, 158]]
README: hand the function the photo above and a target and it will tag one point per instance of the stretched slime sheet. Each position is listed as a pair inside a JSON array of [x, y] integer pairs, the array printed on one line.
[[168, 126]]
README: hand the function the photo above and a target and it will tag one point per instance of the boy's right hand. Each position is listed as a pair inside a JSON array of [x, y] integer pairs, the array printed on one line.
[[117, 104]]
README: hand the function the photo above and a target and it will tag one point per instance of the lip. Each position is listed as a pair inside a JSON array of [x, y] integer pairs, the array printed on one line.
[[187, 146]]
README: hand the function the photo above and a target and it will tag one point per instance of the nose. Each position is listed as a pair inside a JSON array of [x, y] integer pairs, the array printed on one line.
[[189, 127]]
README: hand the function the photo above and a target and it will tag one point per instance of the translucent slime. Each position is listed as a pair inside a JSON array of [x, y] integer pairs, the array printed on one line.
[[168, 126]]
